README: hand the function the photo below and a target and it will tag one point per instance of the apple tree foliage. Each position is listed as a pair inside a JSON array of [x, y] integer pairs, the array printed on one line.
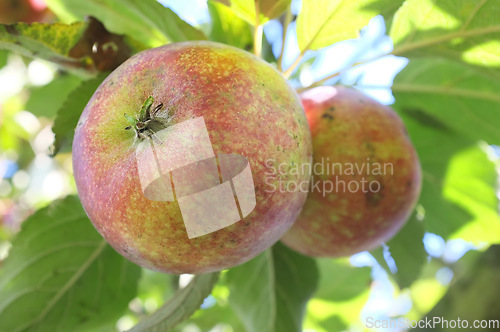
[[60, 275]]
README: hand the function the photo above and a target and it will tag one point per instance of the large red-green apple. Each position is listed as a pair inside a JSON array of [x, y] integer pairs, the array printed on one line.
[[248, 109], [366, 176]]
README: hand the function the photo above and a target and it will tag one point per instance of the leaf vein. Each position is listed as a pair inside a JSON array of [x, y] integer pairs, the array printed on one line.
[[100, 248]]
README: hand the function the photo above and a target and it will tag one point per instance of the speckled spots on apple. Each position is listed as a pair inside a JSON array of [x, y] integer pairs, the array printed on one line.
[[248, 109], [362, 131]]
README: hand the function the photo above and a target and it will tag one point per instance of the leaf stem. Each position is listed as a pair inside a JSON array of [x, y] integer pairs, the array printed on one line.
[[404, 48], [329, 77], [399, 50], [450, 91], [286, 23], [446, 91], [290, 70], [258, 32], [318, 83], [181, 306], [294, 65]]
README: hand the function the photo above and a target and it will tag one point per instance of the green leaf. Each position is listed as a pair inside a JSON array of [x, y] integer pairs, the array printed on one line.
[[182, 305], [157, 286], [471, 182], [270, 292], [407, 250], [47, 41], [212, 318], [48, 99], [341, 295], [268, 9], [144, 20], [458, 198], [85, 47], [323, 22], [61, 275], [273, 8], [473, 296], [464, 30], [387, 10], [340, 281], [12, 134], [464, 99], [69, 113], [4, 56], [228, 28]]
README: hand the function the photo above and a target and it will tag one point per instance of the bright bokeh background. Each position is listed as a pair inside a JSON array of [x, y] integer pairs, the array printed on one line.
[[29, 178]]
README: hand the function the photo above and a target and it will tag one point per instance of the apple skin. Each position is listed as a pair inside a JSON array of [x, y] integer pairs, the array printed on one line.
[[352, 129], [248, 108]]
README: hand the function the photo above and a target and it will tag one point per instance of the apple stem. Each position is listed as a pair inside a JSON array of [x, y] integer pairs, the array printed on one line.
[[141, 123], [286, 24], [258, 32]]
